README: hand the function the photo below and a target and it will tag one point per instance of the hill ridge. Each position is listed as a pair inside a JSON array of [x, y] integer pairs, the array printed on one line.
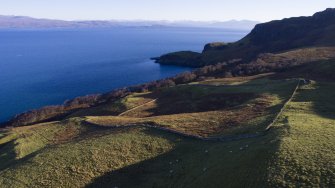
[[271, 37]]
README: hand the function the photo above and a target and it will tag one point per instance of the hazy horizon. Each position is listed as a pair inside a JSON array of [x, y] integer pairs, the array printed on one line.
[[154, 10], [132, 20]]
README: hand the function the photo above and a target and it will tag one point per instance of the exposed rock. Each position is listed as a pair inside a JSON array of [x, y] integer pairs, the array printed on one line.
[[215, 46]]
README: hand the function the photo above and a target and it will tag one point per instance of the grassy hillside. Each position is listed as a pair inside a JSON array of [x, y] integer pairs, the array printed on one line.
[[206, 128], [319, 70], [272, 37], [39, 158], [207, 108], [306, 154], [297, 151]]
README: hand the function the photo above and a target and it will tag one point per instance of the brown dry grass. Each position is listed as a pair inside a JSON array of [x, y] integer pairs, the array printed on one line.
[[202, 110], [234, 80], [205, 124]]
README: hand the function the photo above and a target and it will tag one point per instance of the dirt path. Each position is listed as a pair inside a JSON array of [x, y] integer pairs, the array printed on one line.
[[137, 107]]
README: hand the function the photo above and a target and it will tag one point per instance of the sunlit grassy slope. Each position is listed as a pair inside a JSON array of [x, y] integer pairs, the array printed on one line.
[[297, 152], [209, 108], [74, 161], [306, 154]]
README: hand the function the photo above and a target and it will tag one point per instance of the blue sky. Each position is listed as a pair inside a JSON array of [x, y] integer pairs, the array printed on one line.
[[201, 10]]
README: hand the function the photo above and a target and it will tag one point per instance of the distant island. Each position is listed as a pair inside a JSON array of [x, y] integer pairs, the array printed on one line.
[[23, 22]]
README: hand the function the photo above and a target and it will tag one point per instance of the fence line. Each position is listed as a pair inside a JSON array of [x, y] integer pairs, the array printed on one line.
[[284, 107]]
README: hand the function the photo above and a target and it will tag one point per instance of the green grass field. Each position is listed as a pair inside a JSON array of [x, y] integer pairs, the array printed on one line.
[[298, 151], [74, 162], [306, 155]]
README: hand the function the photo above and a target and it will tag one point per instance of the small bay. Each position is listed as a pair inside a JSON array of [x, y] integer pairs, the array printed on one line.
[[47, 67]]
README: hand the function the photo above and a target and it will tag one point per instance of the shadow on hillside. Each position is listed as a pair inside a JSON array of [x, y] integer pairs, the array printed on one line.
[[105, 109], [8, 156], [202, 98], [186, 102], [322, 96], [322, 71], [229, 164], [9, 161], [110, 108], [194, 163]]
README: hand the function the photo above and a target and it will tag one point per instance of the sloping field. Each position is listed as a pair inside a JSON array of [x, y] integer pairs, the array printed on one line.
[[209, 109], [297, 152], [306, 154], [76, 161]]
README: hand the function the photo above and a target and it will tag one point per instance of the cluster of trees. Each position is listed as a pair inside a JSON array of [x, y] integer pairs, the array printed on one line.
[[53, 112], [263, 64]]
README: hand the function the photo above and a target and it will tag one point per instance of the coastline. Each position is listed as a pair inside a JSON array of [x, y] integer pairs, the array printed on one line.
[[78, 63]]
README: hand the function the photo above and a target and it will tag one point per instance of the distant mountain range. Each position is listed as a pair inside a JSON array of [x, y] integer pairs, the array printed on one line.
[[22, 22]]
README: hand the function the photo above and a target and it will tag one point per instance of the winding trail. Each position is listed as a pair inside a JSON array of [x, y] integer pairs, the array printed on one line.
[[137, 107]]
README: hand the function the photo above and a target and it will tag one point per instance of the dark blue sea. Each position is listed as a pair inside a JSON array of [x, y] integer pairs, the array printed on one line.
[[47, 67]]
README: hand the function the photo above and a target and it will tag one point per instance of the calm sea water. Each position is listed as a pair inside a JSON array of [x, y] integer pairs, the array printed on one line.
[[47, 67]]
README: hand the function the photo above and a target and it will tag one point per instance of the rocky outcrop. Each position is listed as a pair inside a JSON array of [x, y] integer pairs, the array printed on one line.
[[215, 46], [184, 58]]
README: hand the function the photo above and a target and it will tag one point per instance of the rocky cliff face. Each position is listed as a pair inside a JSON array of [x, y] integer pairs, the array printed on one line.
[[317, 30], [215, 46], [275, 36]]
